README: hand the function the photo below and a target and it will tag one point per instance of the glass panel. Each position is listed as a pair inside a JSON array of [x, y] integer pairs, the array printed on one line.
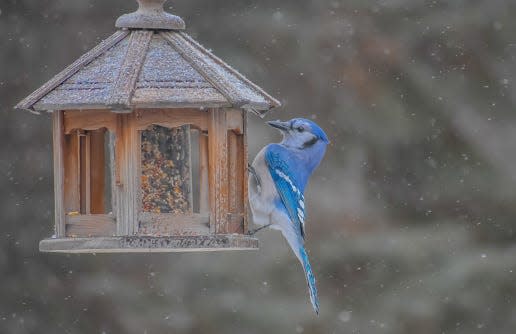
[[166, 176]]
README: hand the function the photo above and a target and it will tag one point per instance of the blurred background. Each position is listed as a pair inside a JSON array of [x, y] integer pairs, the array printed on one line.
[[411, 216]]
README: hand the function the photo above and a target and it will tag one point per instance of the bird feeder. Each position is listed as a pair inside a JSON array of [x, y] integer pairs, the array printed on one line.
[[149, 141]]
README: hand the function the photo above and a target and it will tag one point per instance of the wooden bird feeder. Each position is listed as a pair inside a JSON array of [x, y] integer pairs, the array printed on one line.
[[149, 140]]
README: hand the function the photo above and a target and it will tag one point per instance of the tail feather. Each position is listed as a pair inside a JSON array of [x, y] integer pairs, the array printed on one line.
[[310, 279]]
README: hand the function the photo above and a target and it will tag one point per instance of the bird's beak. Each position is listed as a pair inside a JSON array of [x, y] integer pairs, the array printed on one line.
[[283, 126]]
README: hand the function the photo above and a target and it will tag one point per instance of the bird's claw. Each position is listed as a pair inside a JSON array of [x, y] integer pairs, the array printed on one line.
[[252, 171], [253, 232]]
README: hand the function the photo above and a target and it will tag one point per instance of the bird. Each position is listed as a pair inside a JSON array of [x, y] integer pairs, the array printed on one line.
[[277, 180]]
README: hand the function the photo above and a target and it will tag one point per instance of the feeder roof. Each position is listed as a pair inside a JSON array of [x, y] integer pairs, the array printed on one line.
[[153, 67]]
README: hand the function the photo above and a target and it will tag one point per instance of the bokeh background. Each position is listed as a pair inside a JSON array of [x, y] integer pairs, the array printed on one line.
[[411, 216]]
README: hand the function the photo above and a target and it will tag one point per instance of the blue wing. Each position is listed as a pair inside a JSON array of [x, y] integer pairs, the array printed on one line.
[[282, 169]]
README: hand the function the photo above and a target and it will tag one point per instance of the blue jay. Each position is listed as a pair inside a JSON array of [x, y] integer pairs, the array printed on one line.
[[279, 175]]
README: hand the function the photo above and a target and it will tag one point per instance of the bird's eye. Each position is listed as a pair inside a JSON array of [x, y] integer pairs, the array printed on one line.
[[300, 129]]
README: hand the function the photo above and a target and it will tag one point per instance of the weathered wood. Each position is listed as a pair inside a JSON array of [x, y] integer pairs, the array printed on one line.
[[112, 164], [235, 120], [72, 197], [197, 60], [147, 244], [97, 171], [90, 226], [87, 58], [204, 195], [59, 176], [123, 88], [128, 187], [236, 182], [180, 97], [119, 150], [133, 176], [234, 173], [89, 120], [218, 171], [121, 168], [245, 163], [272, 102], [171, 118], [160, 224], [122, 79], [85, 172]]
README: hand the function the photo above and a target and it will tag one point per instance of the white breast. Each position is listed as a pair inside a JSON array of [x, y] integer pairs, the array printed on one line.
[[261, 199]]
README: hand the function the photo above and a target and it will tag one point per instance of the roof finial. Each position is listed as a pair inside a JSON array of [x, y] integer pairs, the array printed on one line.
[[150, 15]]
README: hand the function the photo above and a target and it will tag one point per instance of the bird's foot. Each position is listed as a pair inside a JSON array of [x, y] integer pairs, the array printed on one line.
[[252, 171], [252, 232]]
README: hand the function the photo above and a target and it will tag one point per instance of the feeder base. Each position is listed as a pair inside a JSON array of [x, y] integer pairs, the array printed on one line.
[[149, 244]]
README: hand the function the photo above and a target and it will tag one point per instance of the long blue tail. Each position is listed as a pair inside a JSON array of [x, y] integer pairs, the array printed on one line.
[[310, 279]]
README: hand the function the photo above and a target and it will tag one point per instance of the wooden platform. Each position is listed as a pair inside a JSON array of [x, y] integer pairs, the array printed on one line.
[[144, 244]]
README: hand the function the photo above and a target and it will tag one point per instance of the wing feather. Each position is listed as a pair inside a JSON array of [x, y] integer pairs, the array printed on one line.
[[288, 188]]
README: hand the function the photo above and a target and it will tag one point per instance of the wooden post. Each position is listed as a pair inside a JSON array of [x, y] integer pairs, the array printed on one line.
[[58, 147], [204, 197], [98, 171], [133, 175], [113, 165], [127, 150], [85, 171], [72, 195], [119, 172], [218, 171], [237, 166], [245, 158]]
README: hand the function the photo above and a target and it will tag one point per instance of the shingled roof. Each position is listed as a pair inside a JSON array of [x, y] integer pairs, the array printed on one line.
[[148, 68]]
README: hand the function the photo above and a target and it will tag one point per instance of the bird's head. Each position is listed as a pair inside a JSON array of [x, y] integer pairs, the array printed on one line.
[[300, 133]]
